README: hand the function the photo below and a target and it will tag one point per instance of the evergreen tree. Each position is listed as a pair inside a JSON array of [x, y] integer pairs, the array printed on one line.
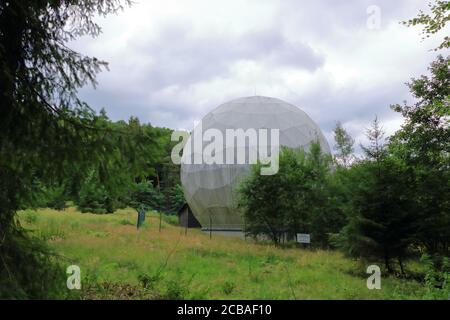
[[43, 123], [324, 211], [93, 197], [177, 199], [344, 146], [381, 224], [145, 195]]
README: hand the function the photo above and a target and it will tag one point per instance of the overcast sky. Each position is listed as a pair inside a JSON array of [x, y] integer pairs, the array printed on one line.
[[173, 61]]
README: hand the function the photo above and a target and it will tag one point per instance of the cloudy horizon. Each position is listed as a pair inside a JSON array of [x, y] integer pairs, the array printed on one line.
[[170, 62]]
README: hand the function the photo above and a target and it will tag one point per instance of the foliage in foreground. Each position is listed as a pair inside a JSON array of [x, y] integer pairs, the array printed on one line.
[[41, 275], [47, 132]]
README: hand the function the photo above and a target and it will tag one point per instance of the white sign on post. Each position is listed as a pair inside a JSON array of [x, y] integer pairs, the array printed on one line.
[[303, 238]]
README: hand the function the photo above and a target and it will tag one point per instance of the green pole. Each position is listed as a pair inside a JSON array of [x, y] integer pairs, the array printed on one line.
[[210, 227]]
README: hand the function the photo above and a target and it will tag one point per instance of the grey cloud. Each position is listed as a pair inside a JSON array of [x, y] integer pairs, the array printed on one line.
[[338, 20], [181, 59], [354, 107], [178, 57]]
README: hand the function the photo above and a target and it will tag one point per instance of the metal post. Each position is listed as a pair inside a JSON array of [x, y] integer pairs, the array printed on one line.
[[137, 223], [210, 227], [187, 223]]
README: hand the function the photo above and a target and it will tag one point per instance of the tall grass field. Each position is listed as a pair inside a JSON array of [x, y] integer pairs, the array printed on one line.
[[117, 261]]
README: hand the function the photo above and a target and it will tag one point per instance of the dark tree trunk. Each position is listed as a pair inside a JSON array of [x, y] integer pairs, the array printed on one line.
[[12, 26], [400, 263]]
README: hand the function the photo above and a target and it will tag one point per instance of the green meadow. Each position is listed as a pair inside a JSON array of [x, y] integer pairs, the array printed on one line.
[[117, 261]]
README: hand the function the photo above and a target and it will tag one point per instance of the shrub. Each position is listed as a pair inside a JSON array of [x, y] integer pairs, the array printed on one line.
[[228, 287], [149, 281], [298, 199], [43, 196], [126, 222], [93, 197], [30, 216], [176, 290], [170, 219], [176, 199], [56, 198], [437, 277], [145, 195]]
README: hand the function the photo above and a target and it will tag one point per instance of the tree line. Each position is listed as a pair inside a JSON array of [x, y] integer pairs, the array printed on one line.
[[390, 204], [141, 175]]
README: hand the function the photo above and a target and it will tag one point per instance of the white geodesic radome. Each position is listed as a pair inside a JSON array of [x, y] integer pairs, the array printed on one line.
[[209, 188]]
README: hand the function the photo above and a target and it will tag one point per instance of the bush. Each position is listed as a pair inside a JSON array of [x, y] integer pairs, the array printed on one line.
[[170, 219], [177, 289], [437, 277], [30, 216], [126, 222], [298, 199], [228, 287], [149, 281], [52, 196], [94, 198], [176, 199], [145, 195], [56, 198]]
